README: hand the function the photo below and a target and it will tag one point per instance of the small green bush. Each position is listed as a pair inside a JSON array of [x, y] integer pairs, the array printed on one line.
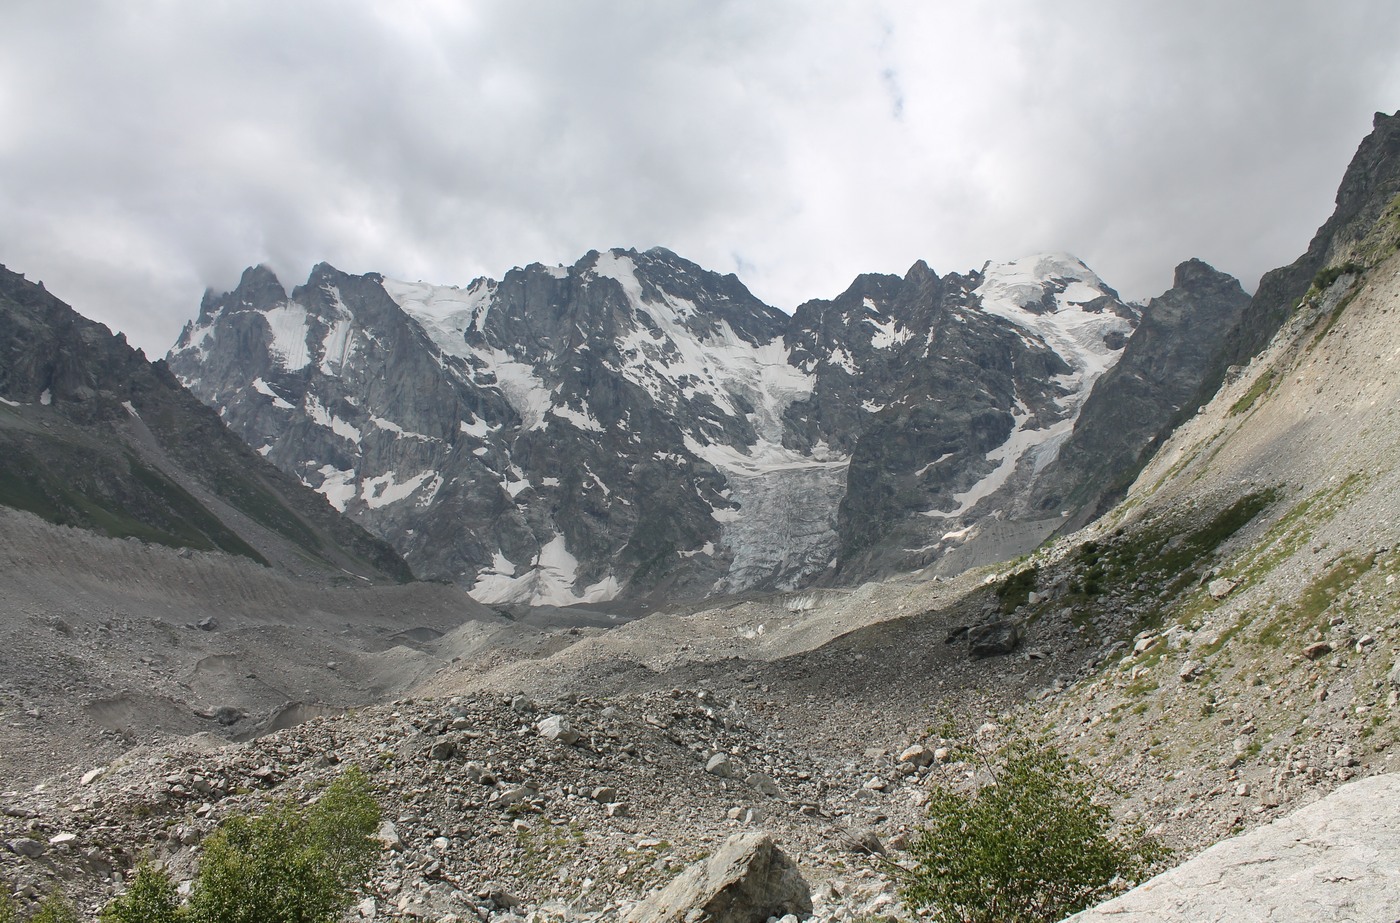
[[291, 864], [150, 898], [55, 909], [1032, 847], [7, 906]]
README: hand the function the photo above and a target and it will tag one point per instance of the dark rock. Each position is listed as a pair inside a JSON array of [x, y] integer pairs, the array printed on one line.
[[227, 715], [993, 638]]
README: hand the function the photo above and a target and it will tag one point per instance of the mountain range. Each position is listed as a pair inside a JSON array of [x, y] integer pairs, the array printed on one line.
[[635, 426]]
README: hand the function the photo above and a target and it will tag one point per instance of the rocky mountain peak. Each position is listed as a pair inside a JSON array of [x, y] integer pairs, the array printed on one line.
[[1367, 195]]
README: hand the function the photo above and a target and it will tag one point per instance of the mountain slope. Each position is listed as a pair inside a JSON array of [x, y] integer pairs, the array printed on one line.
[[95, 436], [1365, 222]]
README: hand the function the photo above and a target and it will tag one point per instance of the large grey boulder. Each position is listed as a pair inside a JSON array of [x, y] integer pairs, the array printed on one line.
[[748, 880], [993, 638], [1336, 859]]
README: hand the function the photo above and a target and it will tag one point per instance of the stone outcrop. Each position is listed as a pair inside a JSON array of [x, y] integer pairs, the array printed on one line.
[[1336, 859], [748, 880]]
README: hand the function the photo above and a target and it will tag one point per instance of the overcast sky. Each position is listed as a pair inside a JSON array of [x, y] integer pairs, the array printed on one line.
[[153, 148]]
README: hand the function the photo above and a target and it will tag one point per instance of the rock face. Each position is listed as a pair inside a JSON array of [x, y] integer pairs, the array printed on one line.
[[1336, 859], [636, 426], [748, 880], [1138, 402], [93, 435], [1366, 196]]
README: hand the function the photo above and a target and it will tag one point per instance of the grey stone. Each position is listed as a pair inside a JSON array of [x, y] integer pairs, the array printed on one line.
[[557, 729], [388, 834], [1336, 859], [748, 880], [1316, 650], [720, 765], [23, 846], [1220, 588]]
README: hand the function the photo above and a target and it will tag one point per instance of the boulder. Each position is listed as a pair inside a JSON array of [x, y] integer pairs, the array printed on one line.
[[1316, 650], [720, 765], [1335, 859], [748, 880], [557, 729], [993, 638], [1220, 588]]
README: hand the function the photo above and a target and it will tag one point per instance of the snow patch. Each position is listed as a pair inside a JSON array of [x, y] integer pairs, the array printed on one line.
[[549, 581], [888, 334], [445, 312], [130, 409], [10, 403], [477, 429], [264, 388], [288, 325], [386, 489], [1005, 455], [842, 359], [392, 427], [672, 360], [321, 417], [579, 418], [337, 486], [46, 398]]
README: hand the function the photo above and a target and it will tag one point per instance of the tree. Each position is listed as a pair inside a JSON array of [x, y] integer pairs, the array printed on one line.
[[1031, 846]]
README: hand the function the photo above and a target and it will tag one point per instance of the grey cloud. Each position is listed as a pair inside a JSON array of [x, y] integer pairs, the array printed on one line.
[[152, 149]]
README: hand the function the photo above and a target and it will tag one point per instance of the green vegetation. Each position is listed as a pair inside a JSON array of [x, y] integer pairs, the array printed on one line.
[[1256, 391], [291, 864], [7, 906], [72, 485], [1032, 846], [1327, 275], [1015, 590], [1157, 562], [1309, 612], [150, 898], [1294, 529], [55, 909]]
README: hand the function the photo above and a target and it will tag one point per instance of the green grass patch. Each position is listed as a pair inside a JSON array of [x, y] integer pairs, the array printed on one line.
[[1256, 391]]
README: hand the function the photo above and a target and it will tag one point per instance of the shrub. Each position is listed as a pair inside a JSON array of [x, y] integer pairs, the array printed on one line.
[[1033, 845], [151, 898], [291, 864], [7, 906], [55, 909]]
